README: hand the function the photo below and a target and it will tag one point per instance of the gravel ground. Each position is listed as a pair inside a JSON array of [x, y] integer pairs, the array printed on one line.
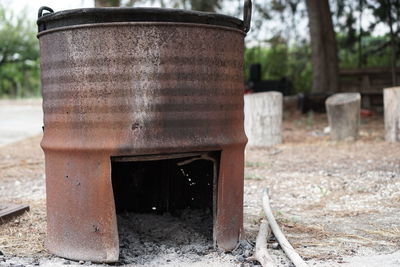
[[337, 202]]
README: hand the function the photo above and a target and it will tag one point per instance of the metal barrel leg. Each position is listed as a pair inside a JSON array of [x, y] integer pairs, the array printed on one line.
[[81, 219], [229, 215]]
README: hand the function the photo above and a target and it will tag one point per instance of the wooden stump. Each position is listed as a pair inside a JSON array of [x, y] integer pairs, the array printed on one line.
[[391, 98], [263, 118], [343, 112]]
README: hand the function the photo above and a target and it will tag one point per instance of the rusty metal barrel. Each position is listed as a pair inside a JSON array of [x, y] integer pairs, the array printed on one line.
[[135, 81]]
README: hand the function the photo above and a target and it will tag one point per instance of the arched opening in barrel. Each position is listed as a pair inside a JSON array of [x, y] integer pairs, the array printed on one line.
[[165, 201]]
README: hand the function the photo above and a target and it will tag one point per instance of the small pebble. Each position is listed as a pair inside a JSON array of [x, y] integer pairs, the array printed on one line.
[[240, 258], [245, 244], [275, 245], [81, 262]]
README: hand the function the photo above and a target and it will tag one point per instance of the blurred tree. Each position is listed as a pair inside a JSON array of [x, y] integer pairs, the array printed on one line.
[[280, 61], [388, 12], [205, 5], [200, 5], [384, 13], [321, 32], [346, 25], [323, 47], [107, 3], [19, 53]]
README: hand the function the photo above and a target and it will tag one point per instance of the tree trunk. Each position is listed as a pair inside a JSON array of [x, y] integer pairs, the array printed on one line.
[[323, 46], [343, 112], [391, 98], [263, 118], [392, 44]]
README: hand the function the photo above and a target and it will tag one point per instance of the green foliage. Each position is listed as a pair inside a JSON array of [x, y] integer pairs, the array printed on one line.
[[300, 68], [357, 47], [376, 52], [19, 56], [279, 61]]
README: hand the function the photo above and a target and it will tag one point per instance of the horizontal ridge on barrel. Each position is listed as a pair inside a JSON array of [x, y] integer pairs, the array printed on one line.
[[185, 61]]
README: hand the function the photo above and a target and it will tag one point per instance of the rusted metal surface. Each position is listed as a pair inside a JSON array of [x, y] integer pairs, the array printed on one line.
[[8, 211], [108, 15], [134, 88]]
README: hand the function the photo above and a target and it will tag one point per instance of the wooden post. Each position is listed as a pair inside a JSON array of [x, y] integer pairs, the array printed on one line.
[[263, 118], [343, 112], [391, 98]]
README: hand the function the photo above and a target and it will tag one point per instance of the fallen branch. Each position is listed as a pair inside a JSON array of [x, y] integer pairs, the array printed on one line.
[[280, 237], [261, 254]]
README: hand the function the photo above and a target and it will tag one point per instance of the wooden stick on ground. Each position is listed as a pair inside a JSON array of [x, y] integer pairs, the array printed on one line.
[[261, 254], [280, 237]]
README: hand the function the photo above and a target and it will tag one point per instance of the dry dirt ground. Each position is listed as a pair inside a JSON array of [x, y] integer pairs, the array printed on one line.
[[337, 202]]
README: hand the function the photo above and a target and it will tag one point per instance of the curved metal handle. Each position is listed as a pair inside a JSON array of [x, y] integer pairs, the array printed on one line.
[[248, 6], [43, 8]]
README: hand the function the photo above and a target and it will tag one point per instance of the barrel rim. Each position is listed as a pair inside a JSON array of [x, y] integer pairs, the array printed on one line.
[[82, 16], [142, 24]]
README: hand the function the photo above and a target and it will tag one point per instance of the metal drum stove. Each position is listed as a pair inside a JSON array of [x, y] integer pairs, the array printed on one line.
[[143, 111]]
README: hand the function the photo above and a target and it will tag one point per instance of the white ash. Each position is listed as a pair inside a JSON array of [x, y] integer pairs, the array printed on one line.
[[154, 240], [144, 237]]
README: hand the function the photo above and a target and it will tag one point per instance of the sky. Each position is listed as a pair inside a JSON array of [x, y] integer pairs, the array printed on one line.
[[32, 6]]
